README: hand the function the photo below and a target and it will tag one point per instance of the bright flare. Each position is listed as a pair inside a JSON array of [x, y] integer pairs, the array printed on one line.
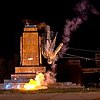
[[37, 83]]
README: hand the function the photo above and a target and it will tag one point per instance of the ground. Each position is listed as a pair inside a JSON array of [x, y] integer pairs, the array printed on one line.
[[52, 96], [58, 91]]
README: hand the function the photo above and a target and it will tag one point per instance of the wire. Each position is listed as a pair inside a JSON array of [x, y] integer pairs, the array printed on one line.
[[83, 50], [75, 56], [80, 57]]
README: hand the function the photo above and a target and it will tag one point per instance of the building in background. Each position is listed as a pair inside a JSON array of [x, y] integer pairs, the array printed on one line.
[[97, 59]]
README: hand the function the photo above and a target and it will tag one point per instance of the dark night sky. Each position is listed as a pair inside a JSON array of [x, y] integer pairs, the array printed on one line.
[[54, 14]]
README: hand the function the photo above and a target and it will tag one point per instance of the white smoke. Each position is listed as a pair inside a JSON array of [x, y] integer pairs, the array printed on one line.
[[82, 9], [49, 78], [70, 27]]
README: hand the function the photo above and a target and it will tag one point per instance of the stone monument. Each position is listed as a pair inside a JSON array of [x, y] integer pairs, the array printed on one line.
[[30, 53], [30, 57]]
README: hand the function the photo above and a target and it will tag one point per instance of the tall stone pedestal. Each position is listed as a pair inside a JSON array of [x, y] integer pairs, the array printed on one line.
[[30, 57]]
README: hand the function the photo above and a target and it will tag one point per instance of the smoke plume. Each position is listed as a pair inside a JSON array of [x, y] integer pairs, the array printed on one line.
[[82, 9], [49, 78]]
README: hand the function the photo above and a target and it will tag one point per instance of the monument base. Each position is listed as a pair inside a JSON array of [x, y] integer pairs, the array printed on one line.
[[23, 75], [27, 69]]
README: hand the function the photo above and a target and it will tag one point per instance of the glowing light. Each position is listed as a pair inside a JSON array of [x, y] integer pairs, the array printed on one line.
[[37, 83], [8, 86]]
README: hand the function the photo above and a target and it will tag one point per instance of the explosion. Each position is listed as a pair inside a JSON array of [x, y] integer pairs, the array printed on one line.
[[37, 83], [41, 81]]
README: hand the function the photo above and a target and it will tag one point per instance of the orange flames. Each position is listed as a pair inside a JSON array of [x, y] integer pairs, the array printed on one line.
[[41, 81], [37, 83]]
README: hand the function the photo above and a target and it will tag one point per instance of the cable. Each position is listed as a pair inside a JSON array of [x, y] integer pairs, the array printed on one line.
[[80, 57], [75, 56], [84, 50]]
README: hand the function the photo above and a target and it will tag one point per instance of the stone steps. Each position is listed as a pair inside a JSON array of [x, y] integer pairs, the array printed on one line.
[[27, 69], [18, 76]]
